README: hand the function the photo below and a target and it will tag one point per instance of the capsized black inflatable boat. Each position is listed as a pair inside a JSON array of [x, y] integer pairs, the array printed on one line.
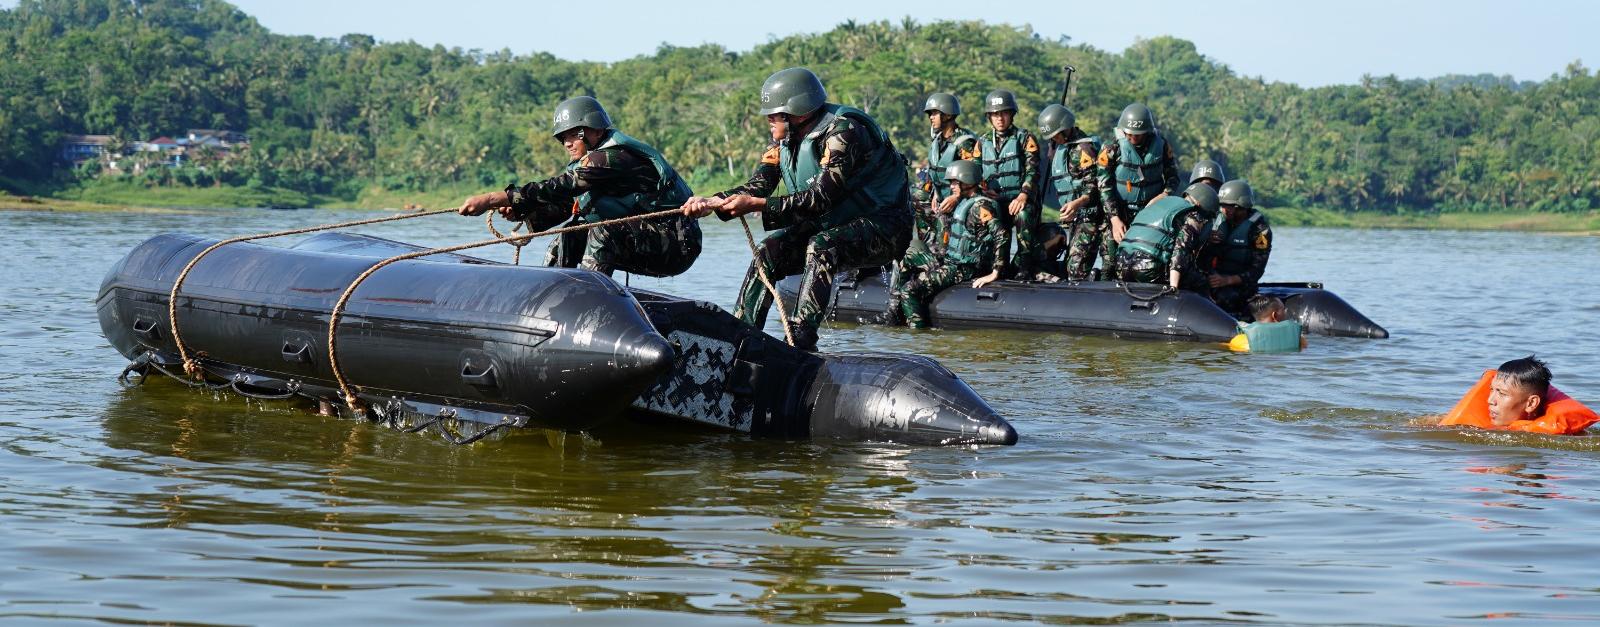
[[1108, 307], [493, 345]]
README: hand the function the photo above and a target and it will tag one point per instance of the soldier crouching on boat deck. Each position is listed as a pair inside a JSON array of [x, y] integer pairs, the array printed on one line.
[[849, 204], [970, 248], [611, 176]]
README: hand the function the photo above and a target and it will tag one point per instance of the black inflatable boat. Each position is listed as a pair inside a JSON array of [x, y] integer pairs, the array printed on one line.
[[1107, 307], [483, 346]]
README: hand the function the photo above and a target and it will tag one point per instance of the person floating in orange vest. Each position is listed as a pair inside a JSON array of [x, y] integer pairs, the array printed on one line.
[[1519, 397]]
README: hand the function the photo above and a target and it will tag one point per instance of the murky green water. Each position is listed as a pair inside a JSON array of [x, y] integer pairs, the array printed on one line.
[[1153, 482]]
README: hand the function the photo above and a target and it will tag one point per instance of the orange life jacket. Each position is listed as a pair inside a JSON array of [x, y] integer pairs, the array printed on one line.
[[1562, 414]]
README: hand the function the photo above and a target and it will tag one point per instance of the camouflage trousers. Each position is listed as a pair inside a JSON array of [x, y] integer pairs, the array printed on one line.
[[817, 254], [1141, 269], [658, 247], [913, 295], [1029, 258], [1091, 240]]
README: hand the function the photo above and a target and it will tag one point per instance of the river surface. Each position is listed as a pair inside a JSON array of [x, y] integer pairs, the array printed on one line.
[[1153, 481]]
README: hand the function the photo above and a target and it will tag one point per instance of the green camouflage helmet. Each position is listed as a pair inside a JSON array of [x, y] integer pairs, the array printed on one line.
[[581, 111], [966, 171], [1206, 169], [999, 100], [1055, 119], [795, 91], [1203, 197], [1136, 120], [1237, 192], [943, 103]]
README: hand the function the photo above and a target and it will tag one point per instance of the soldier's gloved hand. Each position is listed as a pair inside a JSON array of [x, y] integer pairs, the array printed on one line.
[[476, 205], [697, 207]]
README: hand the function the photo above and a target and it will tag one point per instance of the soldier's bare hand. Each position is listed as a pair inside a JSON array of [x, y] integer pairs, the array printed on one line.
[[698, 207], [948, 204], [985, 279], [1158, 197], [1017, 204], [1118, 229], [741, 204], [476, 205], [1223, 280]]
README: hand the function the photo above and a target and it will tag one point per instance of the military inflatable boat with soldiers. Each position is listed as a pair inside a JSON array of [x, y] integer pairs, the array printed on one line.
[[422, 338]]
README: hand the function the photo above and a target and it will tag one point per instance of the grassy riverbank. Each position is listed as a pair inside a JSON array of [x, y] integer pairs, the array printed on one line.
[[106, 198]]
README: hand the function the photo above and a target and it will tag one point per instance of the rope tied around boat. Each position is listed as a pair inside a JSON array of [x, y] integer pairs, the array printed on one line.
[[191, 364], [347, 393], [1165, 289]]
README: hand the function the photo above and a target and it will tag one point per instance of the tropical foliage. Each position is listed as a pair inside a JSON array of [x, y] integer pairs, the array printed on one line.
[[332, 117]]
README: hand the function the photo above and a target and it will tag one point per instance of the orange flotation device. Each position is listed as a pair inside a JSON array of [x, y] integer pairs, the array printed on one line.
[[1562, 414]]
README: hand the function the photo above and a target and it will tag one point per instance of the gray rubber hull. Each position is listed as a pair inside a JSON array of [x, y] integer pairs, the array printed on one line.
[[727, 375], [1098, 307], [559, 348]]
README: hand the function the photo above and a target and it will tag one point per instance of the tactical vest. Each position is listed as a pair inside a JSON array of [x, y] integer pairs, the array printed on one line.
[[1273, 337], [670, 191], [1069, 181], [879, 185], [938, 160], [1002, 165], [1139, 177], [1155, 228], [963, 247], [1233, 254]]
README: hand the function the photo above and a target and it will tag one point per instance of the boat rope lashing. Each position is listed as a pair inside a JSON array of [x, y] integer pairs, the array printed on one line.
[[345, 391], [516, 247], [761, 273], [191, 364], [1165, 289], [139, 366]]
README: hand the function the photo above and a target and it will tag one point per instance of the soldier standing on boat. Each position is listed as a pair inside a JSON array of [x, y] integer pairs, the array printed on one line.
[[1072, 176], [1241, 244], [1208, 172], [849, 204], [1135, 169], [611, 175], [950, 143], [1163, 244], [1011, 170]]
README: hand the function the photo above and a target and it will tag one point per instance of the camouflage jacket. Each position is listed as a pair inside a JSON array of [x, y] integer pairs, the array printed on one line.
[[612, 171]]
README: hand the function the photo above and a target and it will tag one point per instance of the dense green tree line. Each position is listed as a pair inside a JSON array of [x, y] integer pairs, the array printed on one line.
[[334, 116]]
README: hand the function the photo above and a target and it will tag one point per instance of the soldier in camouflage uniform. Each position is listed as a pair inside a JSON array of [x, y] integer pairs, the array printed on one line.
[[1208, 172], [950, 143], [1135, 169], [1164, 241], [1241, 243], [972, 247], [1011, 177], [849, 204], [1072, 177], [611, 176]]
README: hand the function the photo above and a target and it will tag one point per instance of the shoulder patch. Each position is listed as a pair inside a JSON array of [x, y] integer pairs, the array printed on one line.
[[590, 159], [1105, 157], [1085, 159], [1030, 145], [1263, 240], [770, 157], [984, 214]]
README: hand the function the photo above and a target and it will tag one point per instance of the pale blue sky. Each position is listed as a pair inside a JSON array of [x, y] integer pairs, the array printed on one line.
[[1310, 43]]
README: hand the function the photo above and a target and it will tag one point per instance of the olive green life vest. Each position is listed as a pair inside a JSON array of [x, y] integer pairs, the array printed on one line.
[[1139, 176], [879, 185], [963, 248], [1273, 337], [1233, 254], [1154, 230], [1002, 165], [670, 191], [938, 159], [1069, 182]]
